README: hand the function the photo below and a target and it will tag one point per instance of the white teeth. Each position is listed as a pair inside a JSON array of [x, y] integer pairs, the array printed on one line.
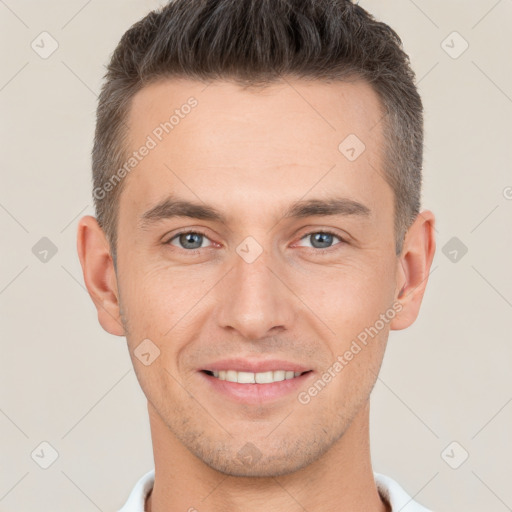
[[279, 375], [231, 375], [243, 377], [252, 378], [264, 377]]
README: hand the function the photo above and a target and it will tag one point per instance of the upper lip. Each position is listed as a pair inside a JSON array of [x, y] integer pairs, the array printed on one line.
[[255, 366]]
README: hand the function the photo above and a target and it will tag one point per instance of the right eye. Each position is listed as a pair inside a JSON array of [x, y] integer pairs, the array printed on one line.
[[189, 240]]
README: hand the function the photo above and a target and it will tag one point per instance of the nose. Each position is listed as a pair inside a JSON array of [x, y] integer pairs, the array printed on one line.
[[255, 299]]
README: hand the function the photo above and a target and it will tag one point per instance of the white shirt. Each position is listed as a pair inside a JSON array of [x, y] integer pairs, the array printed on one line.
[[388, 489]]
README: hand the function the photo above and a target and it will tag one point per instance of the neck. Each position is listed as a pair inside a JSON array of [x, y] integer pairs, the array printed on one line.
[[339, 480]]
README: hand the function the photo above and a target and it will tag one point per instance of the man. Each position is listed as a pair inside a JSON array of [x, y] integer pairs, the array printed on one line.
[[257, 179]]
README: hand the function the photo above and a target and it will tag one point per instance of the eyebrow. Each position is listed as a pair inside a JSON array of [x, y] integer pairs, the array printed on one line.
[[172, 207]]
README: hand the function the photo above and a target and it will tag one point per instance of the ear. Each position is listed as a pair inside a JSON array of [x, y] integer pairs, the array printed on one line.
[[99, 274], [415, 261]]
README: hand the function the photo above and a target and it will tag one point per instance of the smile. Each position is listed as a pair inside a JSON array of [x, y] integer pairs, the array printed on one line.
[[255, 388], [254, 378]]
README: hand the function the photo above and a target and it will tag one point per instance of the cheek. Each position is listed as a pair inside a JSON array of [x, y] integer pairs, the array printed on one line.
[[156, 299], [349, 297]]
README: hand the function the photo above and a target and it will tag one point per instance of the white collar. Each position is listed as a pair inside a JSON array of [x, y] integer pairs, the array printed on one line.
[[387, 487]]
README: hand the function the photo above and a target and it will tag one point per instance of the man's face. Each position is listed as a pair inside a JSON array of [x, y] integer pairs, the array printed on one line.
[[258, 286]]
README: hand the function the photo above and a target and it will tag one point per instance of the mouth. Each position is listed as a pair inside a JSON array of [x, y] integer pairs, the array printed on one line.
[[255, 388], [243, 377]]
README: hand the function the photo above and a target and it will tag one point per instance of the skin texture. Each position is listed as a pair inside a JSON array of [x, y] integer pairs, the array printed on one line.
[[250, 154]]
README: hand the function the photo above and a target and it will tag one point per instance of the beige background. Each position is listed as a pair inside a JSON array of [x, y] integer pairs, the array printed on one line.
[[68, 383]]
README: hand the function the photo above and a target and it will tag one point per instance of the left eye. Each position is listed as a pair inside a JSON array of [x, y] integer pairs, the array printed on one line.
[[189, 240], [321, 239]]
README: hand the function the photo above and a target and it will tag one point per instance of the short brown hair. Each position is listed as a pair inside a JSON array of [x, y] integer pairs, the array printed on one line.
[[256, 42]]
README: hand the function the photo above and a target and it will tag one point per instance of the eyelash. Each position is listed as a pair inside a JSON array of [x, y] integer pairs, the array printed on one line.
[[317, 251]]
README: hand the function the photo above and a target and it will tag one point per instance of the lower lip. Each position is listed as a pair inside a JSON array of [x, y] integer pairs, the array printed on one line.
[[256, 393]]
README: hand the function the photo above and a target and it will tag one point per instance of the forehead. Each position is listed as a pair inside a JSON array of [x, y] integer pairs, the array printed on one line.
[[238, 145], [322, 108]]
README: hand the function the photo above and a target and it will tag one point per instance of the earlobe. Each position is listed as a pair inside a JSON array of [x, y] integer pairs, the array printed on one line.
[[99, 274], [415, 261]]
